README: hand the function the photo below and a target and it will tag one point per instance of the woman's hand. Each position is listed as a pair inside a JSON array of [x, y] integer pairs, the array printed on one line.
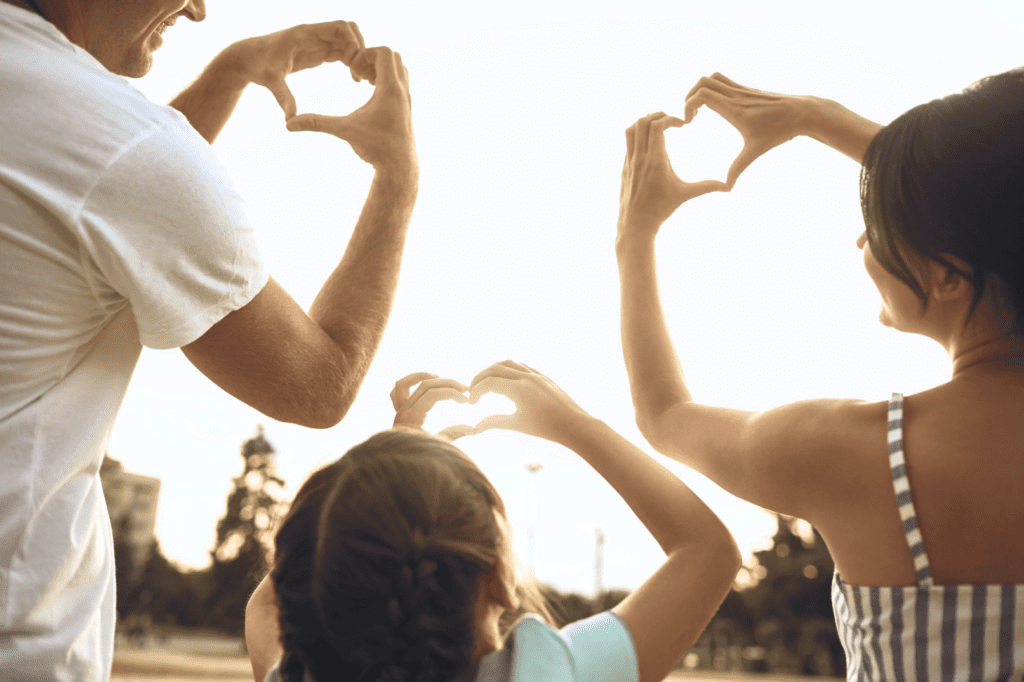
[[764, 119], [651, 190], [542, 408], [411, 410]]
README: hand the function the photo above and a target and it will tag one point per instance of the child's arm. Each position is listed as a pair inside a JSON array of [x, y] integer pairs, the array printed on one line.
[[262, 630], [668, 612]]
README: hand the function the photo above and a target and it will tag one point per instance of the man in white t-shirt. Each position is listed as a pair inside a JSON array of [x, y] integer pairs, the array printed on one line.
[[119, 228]]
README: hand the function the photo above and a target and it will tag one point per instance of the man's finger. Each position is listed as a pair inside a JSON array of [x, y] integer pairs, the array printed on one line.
[[746, 157], [715, 81], [363, 67], [656, 132], [357, 34], [714, 100], [696, 189], [308, 122], [642, 141], [283, 96]]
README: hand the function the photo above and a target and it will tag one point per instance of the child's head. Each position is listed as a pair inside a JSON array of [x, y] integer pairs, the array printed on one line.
[[380, 561], [944, 179]]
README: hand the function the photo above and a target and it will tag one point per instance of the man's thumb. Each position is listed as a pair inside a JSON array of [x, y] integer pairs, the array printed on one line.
[[311, 122]]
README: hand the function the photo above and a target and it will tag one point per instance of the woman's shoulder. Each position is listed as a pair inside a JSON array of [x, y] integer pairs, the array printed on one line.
[[598, 648]]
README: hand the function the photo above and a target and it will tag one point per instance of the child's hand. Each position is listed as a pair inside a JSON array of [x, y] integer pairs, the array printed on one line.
[[411, 411], [542, 408]]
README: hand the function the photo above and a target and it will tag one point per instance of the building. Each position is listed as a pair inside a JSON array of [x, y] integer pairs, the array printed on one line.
[[131, 502]]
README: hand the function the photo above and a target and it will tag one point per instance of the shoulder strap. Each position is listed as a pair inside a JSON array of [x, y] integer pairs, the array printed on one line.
[[901, 484]]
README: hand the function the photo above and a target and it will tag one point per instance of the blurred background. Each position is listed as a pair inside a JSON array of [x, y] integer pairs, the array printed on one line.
[[519, 111]]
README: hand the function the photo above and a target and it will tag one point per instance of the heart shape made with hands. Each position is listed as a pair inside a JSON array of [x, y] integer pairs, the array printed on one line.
[[450, 413], [707, 148]]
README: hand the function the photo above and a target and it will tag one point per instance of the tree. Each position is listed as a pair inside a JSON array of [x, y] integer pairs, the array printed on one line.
[[241, 554], [791, 603]]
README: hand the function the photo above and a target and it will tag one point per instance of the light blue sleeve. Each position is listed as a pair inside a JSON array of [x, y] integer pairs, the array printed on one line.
[[602, 649], [274, 674]]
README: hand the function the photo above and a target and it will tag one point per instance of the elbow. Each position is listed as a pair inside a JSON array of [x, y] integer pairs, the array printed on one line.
[[731, 558], [325, 396], [315, 404], [724, 554], [651, 425], [323, 412]]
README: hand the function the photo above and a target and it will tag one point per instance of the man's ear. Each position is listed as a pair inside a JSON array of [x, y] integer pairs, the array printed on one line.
[[946, 283]]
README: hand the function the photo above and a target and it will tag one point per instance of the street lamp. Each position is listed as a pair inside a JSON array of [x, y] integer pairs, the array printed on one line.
[[531, 529]]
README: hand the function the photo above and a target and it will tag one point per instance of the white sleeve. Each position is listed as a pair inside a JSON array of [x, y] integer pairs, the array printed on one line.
[[602, 649], [166, 229]]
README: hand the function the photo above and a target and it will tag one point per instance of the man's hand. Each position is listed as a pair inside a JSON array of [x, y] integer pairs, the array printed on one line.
[[651, 190], [380, 131], [268, 60]]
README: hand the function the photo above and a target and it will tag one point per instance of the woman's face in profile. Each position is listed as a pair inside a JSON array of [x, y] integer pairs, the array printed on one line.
[[901, 308]]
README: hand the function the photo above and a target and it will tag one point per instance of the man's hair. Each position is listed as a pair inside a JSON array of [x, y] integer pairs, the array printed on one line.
[[947, 178]]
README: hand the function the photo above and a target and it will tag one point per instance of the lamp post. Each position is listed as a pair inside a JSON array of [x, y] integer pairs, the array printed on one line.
[[531, 529], [598, 562]]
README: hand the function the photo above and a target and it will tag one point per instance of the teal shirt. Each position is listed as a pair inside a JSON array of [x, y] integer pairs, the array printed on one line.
[[597, 649]]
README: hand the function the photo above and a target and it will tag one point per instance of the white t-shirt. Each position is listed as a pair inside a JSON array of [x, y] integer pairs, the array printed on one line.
[[118, 228], [596, 649]]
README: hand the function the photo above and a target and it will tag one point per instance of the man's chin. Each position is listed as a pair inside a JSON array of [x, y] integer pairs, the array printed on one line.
[[135, 67]]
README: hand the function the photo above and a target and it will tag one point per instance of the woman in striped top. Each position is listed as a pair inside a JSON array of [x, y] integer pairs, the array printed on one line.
[[928, 539]]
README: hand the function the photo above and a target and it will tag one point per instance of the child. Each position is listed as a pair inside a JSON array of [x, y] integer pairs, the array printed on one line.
[[393, 563]]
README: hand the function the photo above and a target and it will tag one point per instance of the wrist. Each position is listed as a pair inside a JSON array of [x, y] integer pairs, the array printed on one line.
[[820, 117], [232, 65], [400, 176], [630, 240], [578, 430]]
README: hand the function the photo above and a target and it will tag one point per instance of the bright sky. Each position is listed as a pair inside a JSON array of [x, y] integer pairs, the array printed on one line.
[[519, 111]]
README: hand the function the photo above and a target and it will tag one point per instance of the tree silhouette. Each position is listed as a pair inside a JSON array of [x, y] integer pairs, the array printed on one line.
[[241, 554], [791, 603]]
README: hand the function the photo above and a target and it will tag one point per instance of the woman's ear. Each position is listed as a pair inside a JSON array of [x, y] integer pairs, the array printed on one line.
[[947, 284]]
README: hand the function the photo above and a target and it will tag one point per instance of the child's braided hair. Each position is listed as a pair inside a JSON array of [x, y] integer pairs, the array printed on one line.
[[379, 561]]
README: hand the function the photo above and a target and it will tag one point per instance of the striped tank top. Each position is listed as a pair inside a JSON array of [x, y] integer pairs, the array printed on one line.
[[941, 633]]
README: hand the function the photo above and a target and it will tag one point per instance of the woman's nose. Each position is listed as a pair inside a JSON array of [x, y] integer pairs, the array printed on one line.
[[862, 240]]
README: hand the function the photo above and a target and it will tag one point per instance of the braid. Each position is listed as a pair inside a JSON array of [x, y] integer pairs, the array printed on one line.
[[379, 563], [412, 623]]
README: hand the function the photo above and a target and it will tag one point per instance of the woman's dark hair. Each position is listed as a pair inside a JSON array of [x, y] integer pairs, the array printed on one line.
[[379, 561], [947, 178]]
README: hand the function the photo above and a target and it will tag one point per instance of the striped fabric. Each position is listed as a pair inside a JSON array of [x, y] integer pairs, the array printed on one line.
[[954, 633]]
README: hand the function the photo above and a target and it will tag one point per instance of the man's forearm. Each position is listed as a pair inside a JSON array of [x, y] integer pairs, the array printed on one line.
[[355, 302], [210, 100], [655, 374]]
